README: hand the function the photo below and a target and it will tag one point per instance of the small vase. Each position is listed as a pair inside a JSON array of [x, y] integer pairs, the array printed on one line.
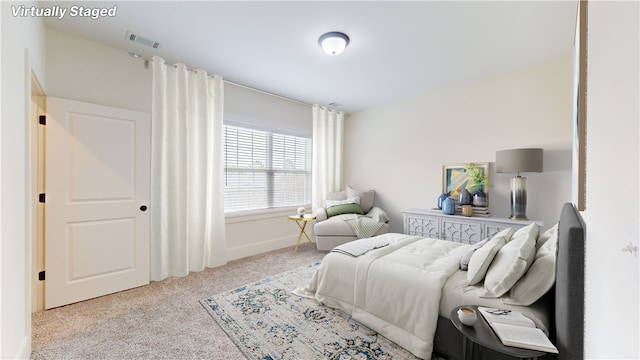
[[480, 198], [448, 206], [441, 199], [467, 210], [465, 197]]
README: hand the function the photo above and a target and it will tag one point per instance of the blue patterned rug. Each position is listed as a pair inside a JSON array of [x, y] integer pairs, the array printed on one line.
[[266, 321]]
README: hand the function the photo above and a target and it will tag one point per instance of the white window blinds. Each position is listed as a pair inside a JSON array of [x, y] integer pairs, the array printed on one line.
[[265, 169]]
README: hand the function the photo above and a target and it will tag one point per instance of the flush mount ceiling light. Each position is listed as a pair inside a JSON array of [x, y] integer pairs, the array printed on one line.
[[333, 43]]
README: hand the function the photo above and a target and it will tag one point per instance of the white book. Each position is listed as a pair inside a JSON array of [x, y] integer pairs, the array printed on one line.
[[515, 329]]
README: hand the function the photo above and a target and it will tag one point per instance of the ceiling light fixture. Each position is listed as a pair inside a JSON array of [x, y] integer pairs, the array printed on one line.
[[333, 43]]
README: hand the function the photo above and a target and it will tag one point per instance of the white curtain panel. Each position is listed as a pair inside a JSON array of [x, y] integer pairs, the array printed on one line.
[[187, 188], [328, 128]]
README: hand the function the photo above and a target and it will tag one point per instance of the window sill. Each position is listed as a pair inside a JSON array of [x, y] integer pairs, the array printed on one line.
[[251, 215]]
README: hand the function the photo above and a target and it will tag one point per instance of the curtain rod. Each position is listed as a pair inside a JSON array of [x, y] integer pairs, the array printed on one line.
[[148, 60]]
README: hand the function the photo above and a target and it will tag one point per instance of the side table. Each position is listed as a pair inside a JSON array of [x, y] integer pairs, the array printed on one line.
[[302, 221], [481, 334]]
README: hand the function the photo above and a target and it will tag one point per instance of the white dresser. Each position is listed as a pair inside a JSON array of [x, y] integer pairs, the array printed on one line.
[[462, 229]]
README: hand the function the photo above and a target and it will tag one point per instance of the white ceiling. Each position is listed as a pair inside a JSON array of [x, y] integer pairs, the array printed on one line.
[[397, 49]]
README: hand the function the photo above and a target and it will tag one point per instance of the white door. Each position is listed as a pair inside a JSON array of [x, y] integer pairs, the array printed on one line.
[[97, 176]]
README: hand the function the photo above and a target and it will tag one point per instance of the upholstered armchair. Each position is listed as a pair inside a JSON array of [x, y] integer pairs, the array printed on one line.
[[346, 216]]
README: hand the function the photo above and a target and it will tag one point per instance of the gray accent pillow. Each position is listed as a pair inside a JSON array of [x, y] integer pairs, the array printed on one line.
[[366, 197], [466, 257]]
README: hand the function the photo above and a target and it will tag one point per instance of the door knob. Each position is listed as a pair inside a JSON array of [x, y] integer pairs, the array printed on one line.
[[143, 208]]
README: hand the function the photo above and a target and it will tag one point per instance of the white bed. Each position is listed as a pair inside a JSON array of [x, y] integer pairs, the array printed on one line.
[[401, 290]]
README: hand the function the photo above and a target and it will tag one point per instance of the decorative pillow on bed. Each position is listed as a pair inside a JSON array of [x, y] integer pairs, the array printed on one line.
[[512, 261], [545, 236], [541, 276], [366, 197], [481, 258], [466, 257]]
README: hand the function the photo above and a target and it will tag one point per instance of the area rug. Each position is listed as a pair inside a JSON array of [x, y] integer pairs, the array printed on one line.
[[266, 321]]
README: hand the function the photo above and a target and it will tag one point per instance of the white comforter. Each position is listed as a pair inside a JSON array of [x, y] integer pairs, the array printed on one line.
[[394, 290]]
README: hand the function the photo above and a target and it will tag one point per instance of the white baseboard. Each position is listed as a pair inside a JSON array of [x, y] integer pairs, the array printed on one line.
[[24, 351], [260, 247]]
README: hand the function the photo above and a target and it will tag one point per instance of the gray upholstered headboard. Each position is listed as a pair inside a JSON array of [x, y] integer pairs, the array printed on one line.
[[569, 287]]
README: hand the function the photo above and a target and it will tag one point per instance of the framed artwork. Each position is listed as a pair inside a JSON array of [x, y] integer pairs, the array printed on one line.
[[455, 178]]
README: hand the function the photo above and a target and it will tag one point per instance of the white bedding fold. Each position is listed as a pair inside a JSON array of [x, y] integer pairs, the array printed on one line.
[[360, 247]]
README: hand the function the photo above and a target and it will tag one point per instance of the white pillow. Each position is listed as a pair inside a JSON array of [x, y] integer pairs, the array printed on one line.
[[330, 203], [544, 237], [512, 261], [366, 197], [481, 258], [540, 277]]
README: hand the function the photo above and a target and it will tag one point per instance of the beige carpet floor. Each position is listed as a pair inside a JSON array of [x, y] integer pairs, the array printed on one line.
[[162, 320]]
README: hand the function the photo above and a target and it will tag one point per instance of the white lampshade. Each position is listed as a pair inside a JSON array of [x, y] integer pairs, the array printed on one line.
[[333, 43]]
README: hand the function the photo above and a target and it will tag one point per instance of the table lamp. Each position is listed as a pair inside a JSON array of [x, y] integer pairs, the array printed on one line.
[[518, 161]]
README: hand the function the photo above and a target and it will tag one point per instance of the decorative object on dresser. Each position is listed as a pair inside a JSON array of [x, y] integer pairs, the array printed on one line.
[[467, 210], [462, 229], [441, 199], [478, 178], [517, 161], [465, 197], [473, 177], [448, 206], [481, 211], [480, 198]]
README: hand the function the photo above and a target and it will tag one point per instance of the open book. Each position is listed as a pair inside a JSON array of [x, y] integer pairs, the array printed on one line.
[[515, 329]]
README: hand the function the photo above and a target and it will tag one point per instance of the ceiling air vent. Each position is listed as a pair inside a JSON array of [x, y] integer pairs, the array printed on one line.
[[142, 40]]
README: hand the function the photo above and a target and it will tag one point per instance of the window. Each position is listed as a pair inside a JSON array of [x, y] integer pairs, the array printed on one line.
[[264, 169]]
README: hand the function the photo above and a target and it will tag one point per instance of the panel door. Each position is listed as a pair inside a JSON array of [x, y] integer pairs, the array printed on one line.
[[97, 180]]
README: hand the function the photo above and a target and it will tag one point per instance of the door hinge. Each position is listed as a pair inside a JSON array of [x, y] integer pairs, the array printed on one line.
[[41, 276], [41, 198], [42, 119]]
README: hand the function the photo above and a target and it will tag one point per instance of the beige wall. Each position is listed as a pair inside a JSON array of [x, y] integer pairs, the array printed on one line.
[[613, 162], [399, 149], [22, 52], [84, 70], [87, 71]]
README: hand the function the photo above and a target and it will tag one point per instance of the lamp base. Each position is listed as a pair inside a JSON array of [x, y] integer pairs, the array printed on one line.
[[518, 218], [518, 198]]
